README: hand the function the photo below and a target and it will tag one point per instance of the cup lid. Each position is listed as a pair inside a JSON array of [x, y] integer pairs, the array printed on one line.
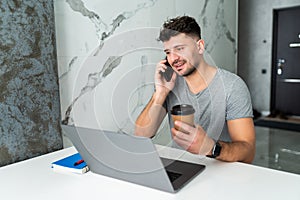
[[182, 109]]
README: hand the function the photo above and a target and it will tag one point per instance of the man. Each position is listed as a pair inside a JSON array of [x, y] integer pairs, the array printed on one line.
[[181, 37]]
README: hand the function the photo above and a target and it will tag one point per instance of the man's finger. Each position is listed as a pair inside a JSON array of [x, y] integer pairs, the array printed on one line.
[[185, 127]]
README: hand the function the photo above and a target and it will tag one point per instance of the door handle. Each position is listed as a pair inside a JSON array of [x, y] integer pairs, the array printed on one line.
[[290, 80], [294, 45]]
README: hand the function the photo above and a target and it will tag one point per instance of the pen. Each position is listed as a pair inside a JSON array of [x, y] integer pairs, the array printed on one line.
[[78, 162]]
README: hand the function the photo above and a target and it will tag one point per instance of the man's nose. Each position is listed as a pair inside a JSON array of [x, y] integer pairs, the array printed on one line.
[[173, 57]]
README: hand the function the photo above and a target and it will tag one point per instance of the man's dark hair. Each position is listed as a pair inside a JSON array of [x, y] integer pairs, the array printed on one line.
[[177, 25]]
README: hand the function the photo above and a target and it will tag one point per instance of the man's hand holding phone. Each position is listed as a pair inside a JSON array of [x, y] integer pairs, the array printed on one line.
[[164, 77], [167, 74]]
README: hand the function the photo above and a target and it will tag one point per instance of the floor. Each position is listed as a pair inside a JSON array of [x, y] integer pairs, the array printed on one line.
[[278, 149]]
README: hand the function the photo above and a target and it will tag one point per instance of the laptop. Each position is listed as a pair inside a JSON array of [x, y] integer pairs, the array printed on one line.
[[130, 158]]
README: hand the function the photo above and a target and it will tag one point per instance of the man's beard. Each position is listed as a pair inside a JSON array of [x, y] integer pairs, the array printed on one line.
[[189, 72]]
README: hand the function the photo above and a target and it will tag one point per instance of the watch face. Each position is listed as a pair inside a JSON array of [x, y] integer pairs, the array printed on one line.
[[216, 150]]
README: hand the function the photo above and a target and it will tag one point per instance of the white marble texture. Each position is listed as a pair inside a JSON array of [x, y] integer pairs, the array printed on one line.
[[107, 52]]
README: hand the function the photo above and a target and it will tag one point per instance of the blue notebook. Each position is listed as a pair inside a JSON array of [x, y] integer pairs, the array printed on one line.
[[72, 163]]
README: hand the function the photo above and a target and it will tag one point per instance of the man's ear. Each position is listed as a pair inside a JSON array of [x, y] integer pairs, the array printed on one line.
[[200, 45]]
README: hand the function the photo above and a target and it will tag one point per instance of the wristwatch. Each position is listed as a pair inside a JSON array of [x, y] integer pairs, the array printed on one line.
[[216, 150]]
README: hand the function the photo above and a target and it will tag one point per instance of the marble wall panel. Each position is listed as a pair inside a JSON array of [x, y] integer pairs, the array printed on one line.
[[29, 101], [107, 52]]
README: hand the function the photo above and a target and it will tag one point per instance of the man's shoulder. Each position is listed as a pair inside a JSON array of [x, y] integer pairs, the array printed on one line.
[[227, 74], [229, 77]]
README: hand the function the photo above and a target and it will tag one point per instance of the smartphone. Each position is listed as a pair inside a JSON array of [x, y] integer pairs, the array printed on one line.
[[169, 71]]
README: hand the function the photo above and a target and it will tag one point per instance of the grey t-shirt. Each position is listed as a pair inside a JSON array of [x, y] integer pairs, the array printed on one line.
[[226, 98]]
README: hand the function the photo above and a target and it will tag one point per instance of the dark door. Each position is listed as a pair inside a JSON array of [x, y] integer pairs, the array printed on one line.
[[285, 87]]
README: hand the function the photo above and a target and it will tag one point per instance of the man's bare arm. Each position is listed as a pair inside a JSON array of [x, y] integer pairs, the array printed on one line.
[[242, 147], [151, 117]]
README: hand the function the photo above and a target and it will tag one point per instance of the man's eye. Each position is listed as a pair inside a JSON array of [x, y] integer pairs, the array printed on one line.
[[179, 48]]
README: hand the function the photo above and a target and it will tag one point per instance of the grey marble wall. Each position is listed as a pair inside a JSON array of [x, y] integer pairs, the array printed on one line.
[[29, 101], [107, 54], [255, 47]]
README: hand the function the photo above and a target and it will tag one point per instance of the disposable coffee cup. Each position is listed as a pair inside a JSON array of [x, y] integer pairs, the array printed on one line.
[[184, 113]]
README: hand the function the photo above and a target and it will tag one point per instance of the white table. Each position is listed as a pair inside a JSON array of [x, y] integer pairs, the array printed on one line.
[[34, 179]]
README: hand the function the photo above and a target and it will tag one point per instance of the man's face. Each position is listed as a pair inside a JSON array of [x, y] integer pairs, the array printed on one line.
[[183, 53]]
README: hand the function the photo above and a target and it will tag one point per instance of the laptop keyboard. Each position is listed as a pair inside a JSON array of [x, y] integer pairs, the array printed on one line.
[[173, 175]]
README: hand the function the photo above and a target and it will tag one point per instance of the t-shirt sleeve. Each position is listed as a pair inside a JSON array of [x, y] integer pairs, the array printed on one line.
[[239, 101]]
